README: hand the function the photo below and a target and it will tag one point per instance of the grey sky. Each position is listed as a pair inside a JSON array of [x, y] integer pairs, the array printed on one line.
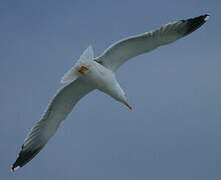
[[173, 133]]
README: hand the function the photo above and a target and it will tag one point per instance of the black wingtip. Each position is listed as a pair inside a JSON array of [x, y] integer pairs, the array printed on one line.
[[14, 167], [24, 157], [194, 23], [206, 17]]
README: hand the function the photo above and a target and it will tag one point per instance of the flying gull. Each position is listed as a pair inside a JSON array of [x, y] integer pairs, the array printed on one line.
[[90, 73]]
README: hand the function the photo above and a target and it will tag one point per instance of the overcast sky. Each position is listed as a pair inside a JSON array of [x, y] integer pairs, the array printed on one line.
[[173, 133]]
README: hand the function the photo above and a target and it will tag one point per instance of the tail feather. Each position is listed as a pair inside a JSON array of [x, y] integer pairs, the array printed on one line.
[[73, 74]]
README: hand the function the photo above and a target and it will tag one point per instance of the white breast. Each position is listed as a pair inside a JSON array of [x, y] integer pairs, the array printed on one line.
[[104, 80], [98, 75]]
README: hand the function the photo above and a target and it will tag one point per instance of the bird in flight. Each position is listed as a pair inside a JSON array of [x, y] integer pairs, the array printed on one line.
[[90, 73]]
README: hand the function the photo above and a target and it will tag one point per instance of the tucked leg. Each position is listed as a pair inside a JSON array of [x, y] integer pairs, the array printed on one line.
[[82, 69]]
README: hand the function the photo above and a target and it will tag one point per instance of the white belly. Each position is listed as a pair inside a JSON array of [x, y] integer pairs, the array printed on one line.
[[103, 79], [99, 76]]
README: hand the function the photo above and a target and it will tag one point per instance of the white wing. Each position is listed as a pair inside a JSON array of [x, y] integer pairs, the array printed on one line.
[[119, 52], [58, 109]]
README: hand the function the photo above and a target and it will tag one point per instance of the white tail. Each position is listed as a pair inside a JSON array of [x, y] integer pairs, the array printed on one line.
[[73, 74]]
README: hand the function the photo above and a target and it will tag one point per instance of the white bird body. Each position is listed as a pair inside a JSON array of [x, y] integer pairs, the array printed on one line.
[[98, 76], [91, 73], [103, 79]]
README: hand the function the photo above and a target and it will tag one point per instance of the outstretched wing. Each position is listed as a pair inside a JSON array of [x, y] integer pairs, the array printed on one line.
[[58, 109], [114, 56]]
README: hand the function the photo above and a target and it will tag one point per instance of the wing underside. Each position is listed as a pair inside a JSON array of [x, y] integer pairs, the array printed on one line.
[[57, 110], [114, 56]]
